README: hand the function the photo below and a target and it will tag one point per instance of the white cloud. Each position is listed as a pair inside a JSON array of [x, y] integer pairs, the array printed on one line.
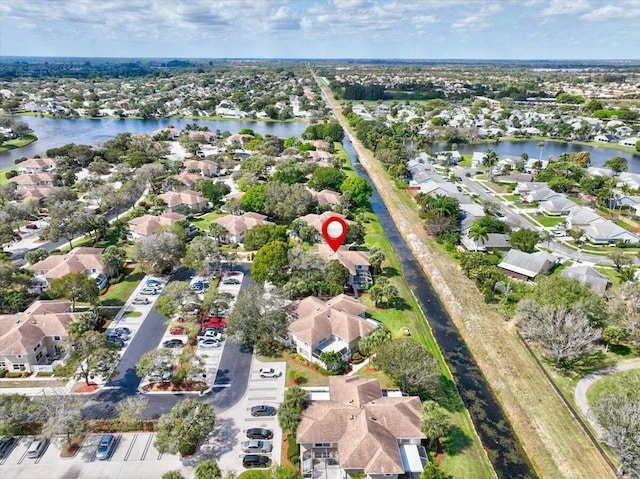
[[566, 7], [618, 11], [478, 20]]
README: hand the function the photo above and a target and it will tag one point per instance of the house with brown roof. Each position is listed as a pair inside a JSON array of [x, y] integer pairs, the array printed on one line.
[[190, 198], [320, 155], [317, 221], [79, 260], [333, 326], [185, 181], [238, 225], [37, 165], [145, 225], [327, 197], [360, 430], [33, 340], [356, 262], [33, 180], [206, 168]]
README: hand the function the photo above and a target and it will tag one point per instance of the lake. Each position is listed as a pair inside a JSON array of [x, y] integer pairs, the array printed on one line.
[[56, 132], [553, 148]]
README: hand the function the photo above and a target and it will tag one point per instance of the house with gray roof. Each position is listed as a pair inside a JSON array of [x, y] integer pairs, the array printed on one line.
[[542, 194], [581, 217], [526, 266], [494, 242], [597, 282], [607, 232], [525, 187], [557, 206]]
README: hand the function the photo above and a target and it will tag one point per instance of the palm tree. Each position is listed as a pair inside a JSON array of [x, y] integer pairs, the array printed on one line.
[[478, 233], [489, 160], [217, 231]]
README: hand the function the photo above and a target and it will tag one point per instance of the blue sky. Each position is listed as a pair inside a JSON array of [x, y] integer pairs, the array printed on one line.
[[411, 29]]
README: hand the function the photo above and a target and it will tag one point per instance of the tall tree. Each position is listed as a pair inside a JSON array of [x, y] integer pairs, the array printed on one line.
[[159, 252], [74, 287], [93, 353], [561, 333], [410, 365], [180, 429], [436, 421], [478, 233], [271, 263], [525, 240], [115, 257]]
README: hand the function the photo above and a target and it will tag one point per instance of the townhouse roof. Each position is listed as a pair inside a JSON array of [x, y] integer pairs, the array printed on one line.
[[149, 224], [318, 320], [317, 220], [238, 224], [77, 260], [186, 197], [364, 424], [349, 259], [19, 333], [33, 163], [327, 197]]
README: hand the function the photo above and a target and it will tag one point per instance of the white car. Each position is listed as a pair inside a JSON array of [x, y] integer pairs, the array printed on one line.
[[140, 300], [269, 373], [256, 446], [209, 343]]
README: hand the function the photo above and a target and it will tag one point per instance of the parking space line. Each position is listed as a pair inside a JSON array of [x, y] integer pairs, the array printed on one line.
[[126, 456], [146, 447], [263, 398], [9, 451], [44, 450], [115, 446], [24, 455]]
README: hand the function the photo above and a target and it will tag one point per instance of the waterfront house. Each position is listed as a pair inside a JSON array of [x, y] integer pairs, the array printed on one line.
[[37, 165], [332, 326], [33, 180], [356, 262], [357, 430]]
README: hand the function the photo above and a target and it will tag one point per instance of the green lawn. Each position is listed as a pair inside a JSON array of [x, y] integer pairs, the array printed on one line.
[[608, 383], [18, 142], [118, 294], [205, 220], [548, 221], [511, 197], [3, 176]]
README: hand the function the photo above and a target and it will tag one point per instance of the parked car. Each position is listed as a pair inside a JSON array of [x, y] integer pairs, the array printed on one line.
[[149, 291], [200, 285], [116, 340], [140, 300], [36, 448], [255, 460], [107, 444], [209, 334], [230, 281], [153, 283], [256, 446], [32, 226], [209, 343], [172, 343], [269, 373], [259, 433], [263, 410], [5, 444], [123, 331], [213, 322]]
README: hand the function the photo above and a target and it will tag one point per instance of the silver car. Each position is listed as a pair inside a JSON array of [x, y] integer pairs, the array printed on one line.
[[256, 446]]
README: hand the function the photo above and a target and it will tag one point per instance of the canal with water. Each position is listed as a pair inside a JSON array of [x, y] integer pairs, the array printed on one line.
[[494, 429]]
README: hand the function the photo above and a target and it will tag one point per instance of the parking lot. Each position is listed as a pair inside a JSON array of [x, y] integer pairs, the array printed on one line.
[[134, 457], [232, 424]]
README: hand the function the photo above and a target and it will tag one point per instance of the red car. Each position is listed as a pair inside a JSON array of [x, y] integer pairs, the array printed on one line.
[[213, 322]]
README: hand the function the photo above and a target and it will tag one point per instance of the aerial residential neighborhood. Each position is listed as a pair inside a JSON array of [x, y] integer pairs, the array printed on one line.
[[230, 259]]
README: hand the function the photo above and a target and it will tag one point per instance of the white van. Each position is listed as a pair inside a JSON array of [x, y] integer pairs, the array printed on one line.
[[35, 448]]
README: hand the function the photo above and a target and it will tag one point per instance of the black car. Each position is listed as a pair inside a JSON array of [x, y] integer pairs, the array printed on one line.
[[172, 343], [5, 444], [263, 410], [259, 433], [255, 460]]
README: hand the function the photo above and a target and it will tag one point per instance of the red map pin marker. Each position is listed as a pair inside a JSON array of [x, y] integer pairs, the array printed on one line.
[[334, 230]]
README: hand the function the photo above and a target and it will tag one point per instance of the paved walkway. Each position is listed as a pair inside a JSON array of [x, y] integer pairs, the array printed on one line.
[[586, 382]]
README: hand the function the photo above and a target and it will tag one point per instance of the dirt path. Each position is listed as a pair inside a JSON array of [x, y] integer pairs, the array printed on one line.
[[550, 436]]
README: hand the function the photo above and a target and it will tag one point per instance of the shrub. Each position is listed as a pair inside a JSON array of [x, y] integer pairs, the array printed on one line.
[[116, 280], [44, 373], [357, 358], [172, 475], [3, 373], [13, 375], [292, 449], [11, 174]]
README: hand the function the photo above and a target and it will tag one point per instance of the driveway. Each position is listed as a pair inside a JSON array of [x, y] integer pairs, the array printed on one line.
[[585, 383], [135, 457]]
